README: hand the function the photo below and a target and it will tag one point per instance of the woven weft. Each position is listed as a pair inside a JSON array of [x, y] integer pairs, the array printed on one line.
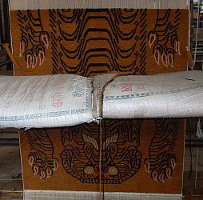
[[75, 195], [67, 4]]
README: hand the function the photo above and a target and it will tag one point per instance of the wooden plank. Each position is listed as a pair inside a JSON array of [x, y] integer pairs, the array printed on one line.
[[11, 185], [11, 195], [9, 130], [194, 198], [9, 133], [193, 186], [10, 163], [7, 73], [11, 189], [4, 64], [195, 156], [199, 35]]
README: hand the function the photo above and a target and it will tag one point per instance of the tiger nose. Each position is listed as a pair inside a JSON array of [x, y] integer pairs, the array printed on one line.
[[104, 168]]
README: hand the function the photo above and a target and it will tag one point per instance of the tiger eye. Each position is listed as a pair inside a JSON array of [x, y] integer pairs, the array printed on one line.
[[88, 170], [112, 170]]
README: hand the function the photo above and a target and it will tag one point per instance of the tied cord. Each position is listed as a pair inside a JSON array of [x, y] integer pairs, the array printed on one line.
[[101, 185], [6, 46]]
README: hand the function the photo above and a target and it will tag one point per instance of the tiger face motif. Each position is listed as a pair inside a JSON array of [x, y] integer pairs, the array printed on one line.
[[121, 158]]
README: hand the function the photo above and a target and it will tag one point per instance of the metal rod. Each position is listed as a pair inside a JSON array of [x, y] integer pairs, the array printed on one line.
[[194, 143], [15, 142], [5, 63], [9, 142]]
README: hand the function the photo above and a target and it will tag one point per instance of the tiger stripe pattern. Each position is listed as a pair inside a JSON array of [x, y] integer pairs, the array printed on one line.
[[162, 160], [41, 157]]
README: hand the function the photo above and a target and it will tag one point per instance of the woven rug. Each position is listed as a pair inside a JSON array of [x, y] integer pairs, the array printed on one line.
[[139, 156]]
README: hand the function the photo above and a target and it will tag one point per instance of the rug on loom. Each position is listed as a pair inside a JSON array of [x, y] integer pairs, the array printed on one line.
[[138, 156]]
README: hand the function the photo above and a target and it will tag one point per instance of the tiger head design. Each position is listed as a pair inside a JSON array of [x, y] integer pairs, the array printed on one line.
[[121, 158]]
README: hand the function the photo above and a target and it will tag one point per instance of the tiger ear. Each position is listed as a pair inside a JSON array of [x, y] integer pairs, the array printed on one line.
[[112, 139], [90, 140]]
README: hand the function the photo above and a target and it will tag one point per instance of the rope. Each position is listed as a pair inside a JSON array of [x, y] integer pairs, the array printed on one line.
[[6, 46], [190, 60], [196, 167], [101, 185]]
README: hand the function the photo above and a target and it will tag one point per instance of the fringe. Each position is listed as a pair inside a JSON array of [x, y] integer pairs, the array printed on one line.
[[79, 195], [70, 4]]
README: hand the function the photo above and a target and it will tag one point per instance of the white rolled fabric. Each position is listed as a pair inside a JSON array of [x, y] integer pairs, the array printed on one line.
[[88, 195], [97, 4], [45, 101], [66, 100], [168, 95]]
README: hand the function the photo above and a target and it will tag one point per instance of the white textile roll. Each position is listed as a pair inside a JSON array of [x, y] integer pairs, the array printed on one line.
[[174, 95], [98, 4], [45, 101], [88, 195]]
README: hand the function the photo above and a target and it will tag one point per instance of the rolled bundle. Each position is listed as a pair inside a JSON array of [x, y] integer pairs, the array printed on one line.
[[45, 101], [172, 95], [66, 100]]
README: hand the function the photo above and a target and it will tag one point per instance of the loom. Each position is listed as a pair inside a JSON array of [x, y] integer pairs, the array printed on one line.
[[121, 157]]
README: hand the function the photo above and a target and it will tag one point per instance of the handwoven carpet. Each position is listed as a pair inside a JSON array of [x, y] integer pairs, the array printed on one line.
[[139, 156]]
